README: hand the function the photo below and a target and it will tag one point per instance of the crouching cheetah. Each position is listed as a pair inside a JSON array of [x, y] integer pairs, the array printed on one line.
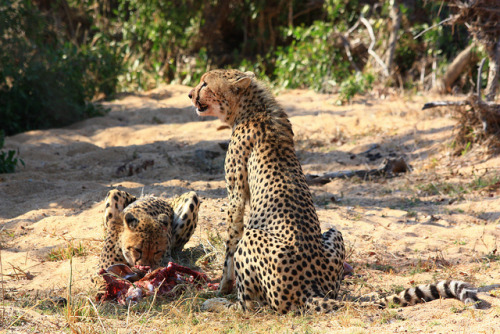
[[145, 231], [278, 256]]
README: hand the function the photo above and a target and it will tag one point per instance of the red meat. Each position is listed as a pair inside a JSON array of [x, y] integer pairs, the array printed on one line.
[[161, 280]]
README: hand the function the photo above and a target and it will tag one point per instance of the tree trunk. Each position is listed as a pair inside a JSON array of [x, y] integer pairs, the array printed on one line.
[[464, 58], [211, 34], [493, 73], [396, 23]]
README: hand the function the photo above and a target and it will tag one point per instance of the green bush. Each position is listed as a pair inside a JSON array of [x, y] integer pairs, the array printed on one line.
[[357, 83], [44, 80], [154, 36], [311, 60], [56, 56], [8, 160]]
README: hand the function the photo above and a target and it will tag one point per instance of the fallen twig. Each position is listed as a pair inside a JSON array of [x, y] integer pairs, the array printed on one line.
[[482, 120], [19, 273], [435, 104], [390, 168]]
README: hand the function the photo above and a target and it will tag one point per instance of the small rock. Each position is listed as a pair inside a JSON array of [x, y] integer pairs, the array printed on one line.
[[215, 305]]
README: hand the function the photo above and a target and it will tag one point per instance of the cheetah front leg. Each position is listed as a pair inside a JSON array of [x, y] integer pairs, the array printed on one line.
[[235, 215], [116, 201], [185, 219]]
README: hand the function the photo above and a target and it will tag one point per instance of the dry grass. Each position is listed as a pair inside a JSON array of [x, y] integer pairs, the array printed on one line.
[[81, 314], [438, 222], [66, 252], [477, 124]]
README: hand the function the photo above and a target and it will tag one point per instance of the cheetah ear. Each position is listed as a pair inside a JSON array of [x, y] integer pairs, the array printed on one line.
[[243, 82], [130, 221], [164, 220], [249, 74]]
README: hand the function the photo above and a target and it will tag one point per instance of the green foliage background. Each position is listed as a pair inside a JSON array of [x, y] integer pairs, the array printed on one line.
[[58, 56]]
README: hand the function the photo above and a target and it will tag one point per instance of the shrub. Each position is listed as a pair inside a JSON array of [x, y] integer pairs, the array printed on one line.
[[311, 60], [355, 84], [44, 80], [8, 160]]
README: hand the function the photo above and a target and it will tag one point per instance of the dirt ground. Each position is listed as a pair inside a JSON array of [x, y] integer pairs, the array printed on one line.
[[439, 221]]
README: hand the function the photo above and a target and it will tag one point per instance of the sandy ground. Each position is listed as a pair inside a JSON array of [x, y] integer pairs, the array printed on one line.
[[440, 221]]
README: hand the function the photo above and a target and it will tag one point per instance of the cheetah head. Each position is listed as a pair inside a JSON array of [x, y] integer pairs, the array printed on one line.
[[219, 92], [144, 239]]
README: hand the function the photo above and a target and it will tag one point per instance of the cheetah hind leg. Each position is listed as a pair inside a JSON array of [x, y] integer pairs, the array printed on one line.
[[333, 244], [332, 239], [334, 249], [185, 208], [116, 201]]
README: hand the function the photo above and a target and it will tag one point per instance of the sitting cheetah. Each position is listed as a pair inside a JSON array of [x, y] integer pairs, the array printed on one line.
[[144, 231], [278, 256]]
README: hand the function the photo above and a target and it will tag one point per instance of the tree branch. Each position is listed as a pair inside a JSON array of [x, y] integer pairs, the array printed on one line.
[[432, 27], [372, 44]]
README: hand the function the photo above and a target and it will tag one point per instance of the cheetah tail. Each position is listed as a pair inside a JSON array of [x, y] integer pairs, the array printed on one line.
[[323, 304], [411, 296], [427, 292]]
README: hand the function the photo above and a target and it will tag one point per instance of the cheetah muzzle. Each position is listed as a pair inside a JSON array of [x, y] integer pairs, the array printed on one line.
[[145, 231]]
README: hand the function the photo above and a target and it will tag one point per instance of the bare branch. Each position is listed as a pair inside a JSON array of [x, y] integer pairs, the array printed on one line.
[[352, 28], [432, 27], [494, 70], [372, 44], [347, 47], [465, 58], [312, 6], [479, 78]]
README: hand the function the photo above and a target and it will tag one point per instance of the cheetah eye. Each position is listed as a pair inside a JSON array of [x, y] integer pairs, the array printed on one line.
[[138, 250], [204, 85]]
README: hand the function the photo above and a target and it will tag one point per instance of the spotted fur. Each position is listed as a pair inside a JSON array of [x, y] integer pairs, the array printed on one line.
[[278, 256], [145, 231]]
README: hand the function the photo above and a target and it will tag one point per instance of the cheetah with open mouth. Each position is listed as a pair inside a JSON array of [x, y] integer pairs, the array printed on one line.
[[278, 257]]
